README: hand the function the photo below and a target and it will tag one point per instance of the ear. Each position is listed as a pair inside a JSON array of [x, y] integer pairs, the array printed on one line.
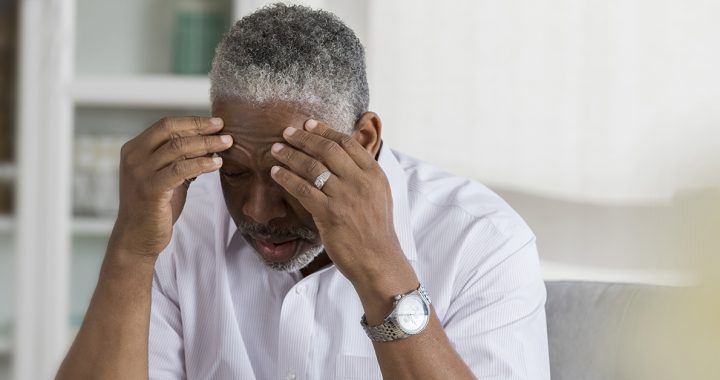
[[368, 132]]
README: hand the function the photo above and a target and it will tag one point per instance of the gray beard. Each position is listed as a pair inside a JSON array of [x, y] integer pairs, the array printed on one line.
[[297, 262]]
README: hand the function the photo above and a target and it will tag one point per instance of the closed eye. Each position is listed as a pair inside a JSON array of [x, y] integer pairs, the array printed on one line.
[[227, 173]]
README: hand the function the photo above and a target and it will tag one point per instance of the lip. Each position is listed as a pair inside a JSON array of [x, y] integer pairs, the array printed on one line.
[[277, 252]]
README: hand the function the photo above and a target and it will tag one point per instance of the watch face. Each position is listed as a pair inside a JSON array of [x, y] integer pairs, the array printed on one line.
[[411, 313]]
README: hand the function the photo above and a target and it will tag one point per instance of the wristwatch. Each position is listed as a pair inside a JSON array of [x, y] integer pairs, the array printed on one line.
[[410, 316]]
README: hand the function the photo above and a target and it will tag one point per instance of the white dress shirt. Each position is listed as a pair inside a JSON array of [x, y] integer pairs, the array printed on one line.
[[219, 313]]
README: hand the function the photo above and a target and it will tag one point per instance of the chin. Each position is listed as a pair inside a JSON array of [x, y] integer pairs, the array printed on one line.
[[299, 261]]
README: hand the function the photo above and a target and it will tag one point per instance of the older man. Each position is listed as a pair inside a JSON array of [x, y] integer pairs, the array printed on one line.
[[309, 250]]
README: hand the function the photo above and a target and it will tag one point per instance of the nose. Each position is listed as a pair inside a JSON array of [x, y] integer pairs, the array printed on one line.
[[263, 203]]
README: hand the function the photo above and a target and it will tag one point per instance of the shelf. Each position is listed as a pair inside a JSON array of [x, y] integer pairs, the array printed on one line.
[[142, 91], [5, 346], [7, 171], [7, 224], [92, 227]]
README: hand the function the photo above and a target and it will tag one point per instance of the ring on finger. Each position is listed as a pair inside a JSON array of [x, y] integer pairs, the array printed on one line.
[[322, 179]]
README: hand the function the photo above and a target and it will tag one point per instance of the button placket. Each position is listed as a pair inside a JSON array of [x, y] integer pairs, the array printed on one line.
[[296, 329]]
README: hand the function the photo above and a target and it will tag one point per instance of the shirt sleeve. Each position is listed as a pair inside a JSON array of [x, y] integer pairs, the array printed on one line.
[[496, 320], [165, 344]]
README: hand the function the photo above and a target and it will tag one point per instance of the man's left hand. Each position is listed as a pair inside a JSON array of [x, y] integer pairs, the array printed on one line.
[[353, 211]]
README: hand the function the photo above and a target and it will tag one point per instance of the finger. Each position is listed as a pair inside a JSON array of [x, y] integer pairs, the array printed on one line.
[[357, 152], [308, 195], [173, 127], [327, 151], [189, 147], [177, 172], [299, 162]]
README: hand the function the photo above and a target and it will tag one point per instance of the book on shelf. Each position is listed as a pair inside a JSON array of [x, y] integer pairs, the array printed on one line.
[[8, 35]]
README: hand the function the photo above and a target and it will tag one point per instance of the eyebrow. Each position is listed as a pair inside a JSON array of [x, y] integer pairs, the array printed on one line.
[[237, 147], [246, 155]]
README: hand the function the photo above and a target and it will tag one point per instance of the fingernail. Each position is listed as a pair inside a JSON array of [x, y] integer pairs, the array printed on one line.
[[274, 170], [216, 121], [277, 147], [226, 139], [311, 124], [217, 160], [290, 131]]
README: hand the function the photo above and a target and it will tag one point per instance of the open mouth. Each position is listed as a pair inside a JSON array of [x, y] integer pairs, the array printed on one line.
[[277, 250]]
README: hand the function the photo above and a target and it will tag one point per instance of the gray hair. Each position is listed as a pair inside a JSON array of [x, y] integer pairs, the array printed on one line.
[[294, 54]]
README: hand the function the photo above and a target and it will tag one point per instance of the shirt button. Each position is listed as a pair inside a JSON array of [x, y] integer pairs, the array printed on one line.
[[299, 289], [290, 375]]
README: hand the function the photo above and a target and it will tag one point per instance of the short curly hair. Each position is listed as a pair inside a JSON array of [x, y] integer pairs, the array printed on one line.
[[295, 54]]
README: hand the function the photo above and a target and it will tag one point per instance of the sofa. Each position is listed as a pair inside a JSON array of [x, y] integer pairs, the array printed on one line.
[[589, 324]]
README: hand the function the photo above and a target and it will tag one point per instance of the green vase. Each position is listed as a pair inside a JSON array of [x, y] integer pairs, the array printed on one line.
[[198, 30]]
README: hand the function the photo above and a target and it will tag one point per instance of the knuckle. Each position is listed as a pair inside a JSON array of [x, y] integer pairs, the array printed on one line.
[[197, 122], [125, 149], [209, 142], [332, 148], [165, 124], [176, 144], [313, 166], [304, 139], [177, 169], [204, 163], [303, 189], [346, 141]]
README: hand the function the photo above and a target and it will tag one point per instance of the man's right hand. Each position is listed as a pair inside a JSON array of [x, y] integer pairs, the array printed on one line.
[[155, 168]]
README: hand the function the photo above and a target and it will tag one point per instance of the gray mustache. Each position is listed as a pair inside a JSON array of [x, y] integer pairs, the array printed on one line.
[[275, 231]]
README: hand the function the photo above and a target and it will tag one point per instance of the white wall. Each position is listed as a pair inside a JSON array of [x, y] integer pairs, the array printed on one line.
[[595, 101]]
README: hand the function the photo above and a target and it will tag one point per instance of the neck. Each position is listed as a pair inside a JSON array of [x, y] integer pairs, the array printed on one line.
[[320, 262]]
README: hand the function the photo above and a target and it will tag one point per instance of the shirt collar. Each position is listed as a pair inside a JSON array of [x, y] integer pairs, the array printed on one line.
[[401, 210]]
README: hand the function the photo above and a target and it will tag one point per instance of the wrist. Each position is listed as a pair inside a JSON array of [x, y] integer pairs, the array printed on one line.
[[131, 237], [121, 264], [377, 293]]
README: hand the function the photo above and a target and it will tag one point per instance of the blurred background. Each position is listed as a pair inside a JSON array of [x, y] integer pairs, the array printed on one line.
[[598, 121]]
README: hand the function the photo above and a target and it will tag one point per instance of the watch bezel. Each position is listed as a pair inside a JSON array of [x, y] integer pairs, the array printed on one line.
[[425, 316]]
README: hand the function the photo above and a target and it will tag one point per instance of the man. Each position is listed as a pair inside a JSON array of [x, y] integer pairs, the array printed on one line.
[[309, 249]]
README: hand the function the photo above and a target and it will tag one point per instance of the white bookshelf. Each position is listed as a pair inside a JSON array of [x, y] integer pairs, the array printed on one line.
[[74, 59]]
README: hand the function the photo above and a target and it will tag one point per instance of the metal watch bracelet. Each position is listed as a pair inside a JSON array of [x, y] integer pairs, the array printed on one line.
[[388, 331]]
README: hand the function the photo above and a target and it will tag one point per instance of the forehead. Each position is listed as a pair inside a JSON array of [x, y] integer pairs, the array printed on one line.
[[254, 127], [242, 117]]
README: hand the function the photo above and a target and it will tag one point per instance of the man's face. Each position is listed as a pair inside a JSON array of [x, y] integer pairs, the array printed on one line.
[[273, 222]]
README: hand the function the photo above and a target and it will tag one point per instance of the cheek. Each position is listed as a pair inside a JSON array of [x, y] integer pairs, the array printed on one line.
[[233, 199], [302, 214]]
